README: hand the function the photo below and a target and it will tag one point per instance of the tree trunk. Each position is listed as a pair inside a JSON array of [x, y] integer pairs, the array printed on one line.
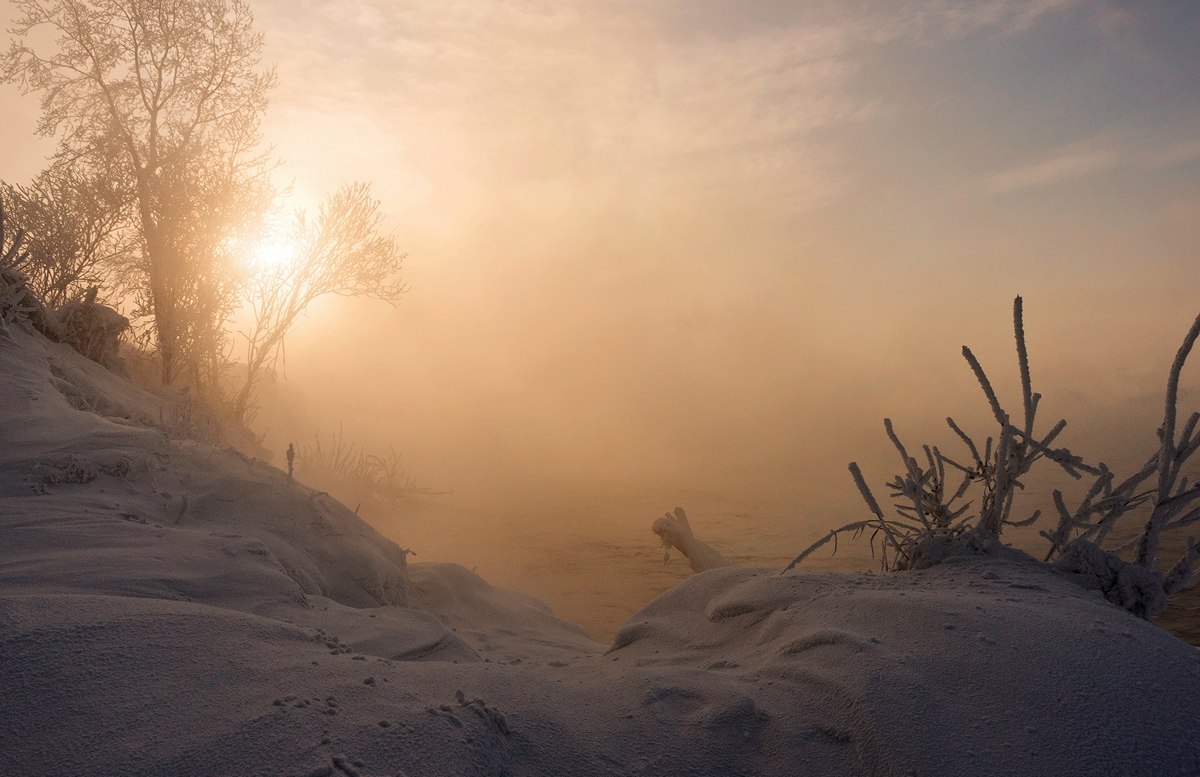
[[166, 325]]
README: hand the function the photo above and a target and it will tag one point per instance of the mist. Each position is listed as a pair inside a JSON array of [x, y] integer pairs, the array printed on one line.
[[567, 389], [588, 376], [474, 387], [663, 254], [702, 255]]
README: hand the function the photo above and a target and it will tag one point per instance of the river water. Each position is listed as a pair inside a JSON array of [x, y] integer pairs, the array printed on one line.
[[595, 560]]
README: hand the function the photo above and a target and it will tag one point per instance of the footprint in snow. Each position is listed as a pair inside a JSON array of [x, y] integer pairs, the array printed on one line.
[[338, 766]]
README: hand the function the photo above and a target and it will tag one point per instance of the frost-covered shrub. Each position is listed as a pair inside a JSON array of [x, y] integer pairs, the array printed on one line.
[[347, 470], [91, 328], [75, 468], [94, 330], [934, 519], [1131, 586], [16, 301]]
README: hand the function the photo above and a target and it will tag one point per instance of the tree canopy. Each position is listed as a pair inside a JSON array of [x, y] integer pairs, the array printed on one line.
[[342, 251], [174, 91]]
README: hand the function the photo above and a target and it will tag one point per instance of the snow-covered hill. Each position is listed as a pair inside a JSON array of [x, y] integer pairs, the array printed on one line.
[[168, 608]]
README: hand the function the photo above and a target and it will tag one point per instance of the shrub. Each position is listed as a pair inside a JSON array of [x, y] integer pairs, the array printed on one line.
[[934, 520], [347, 470]]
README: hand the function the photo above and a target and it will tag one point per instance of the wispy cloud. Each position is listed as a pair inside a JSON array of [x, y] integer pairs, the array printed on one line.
[[1146, 153], [519, 90], [1064, 164], [931, 21], [672, 100], [1178, 153]]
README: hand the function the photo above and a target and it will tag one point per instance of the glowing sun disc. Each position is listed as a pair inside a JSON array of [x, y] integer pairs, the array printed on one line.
[[273, 255]]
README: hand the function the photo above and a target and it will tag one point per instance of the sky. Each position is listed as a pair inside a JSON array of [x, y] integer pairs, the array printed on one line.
[[710, 245]]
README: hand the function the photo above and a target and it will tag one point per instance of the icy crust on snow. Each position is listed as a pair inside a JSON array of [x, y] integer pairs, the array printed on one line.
[[168, 608]]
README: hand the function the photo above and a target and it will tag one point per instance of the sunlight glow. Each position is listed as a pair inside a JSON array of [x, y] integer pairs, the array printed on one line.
[[272, 256]]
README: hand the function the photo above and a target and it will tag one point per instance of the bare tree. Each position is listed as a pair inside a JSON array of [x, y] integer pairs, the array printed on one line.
[[204, 211], [72, 219], [174, 90], [342, 252]]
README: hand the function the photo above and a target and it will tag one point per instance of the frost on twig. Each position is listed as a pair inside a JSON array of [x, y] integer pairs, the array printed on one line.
[[1173, 500], [930, 497]]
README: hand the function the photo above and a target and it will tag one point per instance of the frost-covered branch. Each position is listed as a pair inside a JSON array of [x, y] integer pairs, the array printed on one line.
[[926, 526]]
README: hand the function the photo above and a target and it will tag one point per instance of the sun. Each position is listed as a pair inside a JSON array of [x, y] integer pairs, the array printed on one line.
[[275, 254], [270, 255]]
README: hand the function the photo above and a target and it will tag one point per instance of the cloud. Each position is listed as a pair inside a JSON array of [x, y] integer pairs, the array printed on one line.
[[932, 21], [1146, 152], [1175, 154], [522, 91], [656, 100], [1064, 164]]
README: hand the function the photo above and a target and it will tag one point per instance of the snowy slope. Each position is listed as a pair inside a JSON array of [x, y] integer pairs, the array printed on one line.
[[167, 608]]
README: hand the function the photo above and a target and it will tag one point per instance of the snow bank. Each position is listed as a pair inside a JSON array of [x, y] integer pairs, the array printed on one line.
[[145, 516], [168, 608], [977, 666]]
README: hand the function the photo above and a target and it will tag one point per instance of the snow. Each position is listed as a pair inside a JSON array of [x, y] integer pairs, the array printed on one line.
[[171, 608]]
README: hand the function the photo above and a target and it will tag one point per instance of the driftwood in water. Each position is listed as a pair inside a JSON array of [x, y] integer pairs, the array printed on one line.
[[675, 532]]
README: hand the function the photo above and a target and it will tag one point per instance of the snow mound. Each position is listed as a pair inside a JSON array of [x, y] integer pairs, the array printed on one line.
[[997, 666], [502, 626]]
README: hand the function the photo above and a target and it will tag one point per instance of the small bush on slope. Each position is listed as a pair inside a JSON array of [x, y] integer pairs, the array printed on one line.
[[932, 520], [348, 471], [93, 329]]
